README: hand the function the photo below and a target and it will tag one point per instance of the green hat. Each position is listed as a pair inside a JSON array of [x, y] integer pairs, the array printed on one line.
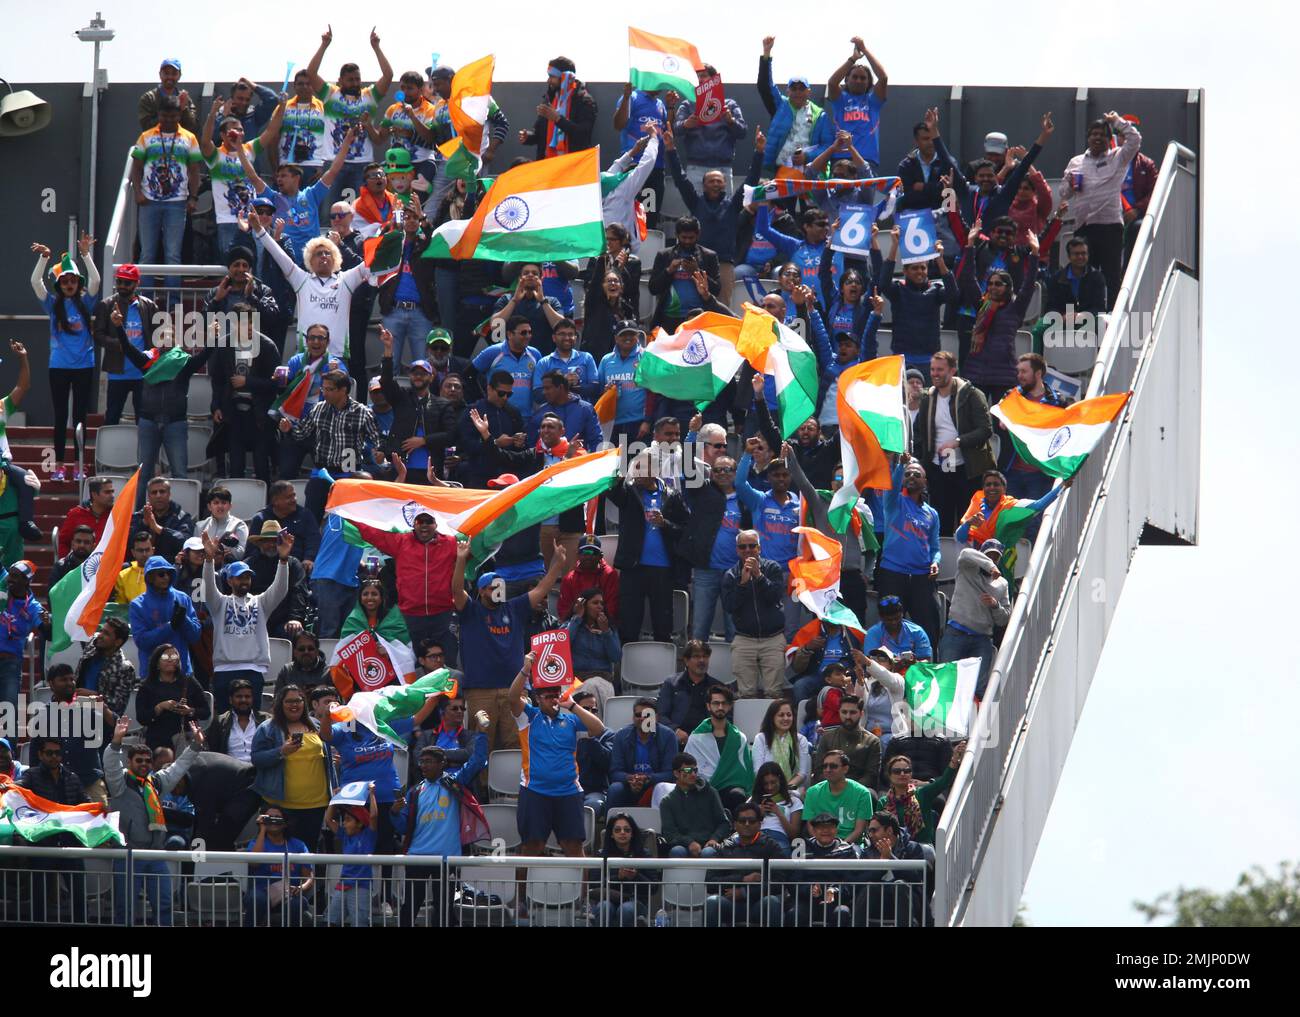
[[66, 264], [438, 335], [398, 160]]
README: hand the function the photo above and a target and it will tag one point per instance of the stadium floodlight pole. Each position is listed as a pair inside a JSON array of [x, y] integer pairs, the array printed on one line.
[[97, 32]]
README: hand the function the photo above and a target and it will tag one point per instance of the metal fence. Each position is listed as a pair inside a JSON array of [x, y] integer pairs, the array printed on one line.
[[1169, 236], [121, 887]]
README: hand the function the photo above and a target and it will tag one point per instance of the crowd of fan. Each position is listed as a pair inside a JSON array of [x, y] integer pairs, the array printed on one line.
[[488, 374]]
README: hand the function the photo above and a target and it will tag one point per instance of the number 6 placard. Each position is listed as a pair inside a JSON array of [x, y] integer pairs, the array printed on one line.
[[853, 235], [916, 236]]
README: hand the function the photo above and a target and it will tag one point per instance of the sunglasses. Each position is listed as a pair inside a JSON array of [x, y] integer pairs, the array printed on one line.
[[726, 469], [502, 393], [716, 444], [688, 769], [746, 547], [750, 821], [901, 771], [295, 702], [339, 215]]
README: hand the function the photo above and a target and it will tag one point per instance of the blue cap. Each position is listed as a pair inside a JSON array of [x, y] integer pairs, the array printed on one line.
[[423, 365], [889, 604], [798, 79], [170, 62], [991, 546], [236, 568], [158, 563], [263, 201], [486, 579]]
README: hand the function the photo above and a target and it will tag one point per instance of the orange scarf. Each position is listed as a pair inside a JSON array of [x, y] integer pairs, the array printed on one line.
[[988, 529], [368, 208]]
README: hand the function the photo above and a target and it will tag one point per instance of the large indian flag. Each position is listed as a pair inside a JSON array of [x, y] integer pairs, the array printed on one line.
[[28, 815], [377, 709], [815, 578], [541, 211], [658, 61], [1058, 439], [469, 106], [772, 348], [696, 362], [941, 697], [77, 600], [873, 421]]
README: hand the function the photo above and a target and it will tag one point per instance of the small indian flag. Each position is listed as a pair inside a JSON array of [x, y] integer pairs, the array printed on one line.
[[941, 697], [606, 409], [656, 62], [377, 709], [815, 578], [29, 816], [292, 402], [772, 348], [873, 420], [77, 600], [383, 254], [469, 106], [1058, 439], [541, 211], [164, 365], [696, 362]]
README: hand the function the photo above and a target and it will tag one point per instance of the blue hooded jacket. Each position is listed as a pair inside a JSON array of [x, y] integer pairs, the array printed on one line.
[[151, 618]]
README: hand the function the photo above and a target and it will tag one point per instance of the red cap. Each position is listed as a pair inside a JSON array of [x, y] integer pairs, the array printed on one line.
[[505, 480], [128, 272]]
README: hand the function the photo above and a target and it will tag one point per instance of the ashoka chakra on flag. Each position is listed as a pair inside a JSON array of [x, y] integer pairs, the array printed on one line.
[[511, 214]]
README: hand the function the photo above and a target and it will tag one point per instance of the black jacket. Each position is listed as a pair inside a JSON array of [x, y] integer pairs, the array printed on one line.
[[682, 703], [66, 790], [661, 282], [218, 732], [631, 516], [756, 606], [109, 337], [930, 194], [435, 415], [476, 465], [259, 296], [259, 388], [423, 271], [1060, 294], [167, 401], [707, 505], [974, 427], [177, 527], [762, 847], [578, 126]]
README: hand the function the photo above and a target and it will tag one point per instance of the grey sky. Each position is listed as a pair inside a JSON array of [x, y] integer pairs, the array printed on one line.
[[1173, 776]]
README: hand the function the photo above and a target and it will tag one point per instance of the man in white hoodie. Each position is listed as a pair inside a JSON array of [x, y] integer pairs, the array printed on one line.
[[240, 645]]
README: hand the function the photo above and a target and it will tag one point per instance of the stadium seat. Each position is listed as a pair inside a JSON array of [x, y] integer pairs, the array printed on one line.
[[327, 647], [505, 772], [747, 714], [579, 290], [619, 711], [588, 828], [281, 654], [1073, 355], [646, 664], [684, 892], [215, 895], [70, 655], [609, 545], [198, 405], [947, 341], [681, 615], [611, 522], [197, 450], [115, 449], [948, 554], [720, 662], [300, 486], [481, 883], [553, 895], [645, 819], [248, 496], [653, 243], [185, 493], [503, 824]]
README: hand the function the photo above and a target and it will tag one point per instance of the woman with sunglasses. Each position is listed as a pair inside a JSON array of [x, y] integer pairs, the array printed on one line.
[[168, 699], [782, 809], [628, 903], [293, 770], [608, 300], [912, 803]]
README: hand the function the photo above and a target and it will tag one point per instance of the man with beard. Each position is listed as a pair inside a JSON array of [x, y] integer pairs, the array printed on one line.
[[859, 745], [566, 117], [83, 542], [422, 427], [232, 732], [909, 560]]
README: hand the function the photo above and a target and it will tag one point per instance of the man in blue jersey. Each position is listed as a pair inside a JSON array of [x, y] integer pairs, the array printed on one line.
[[517, 357], [432, 814], [550, 796], [776, 512], [578, 366], [619, 368], [855, 95], [909, 560]]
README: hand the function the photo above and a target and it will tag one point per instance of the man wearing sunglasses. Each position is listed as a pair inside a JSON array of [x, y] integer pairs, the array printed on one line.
[[734, 896], [794, 116], [694, 822], [505, 428], [58, 783], [753, 594], [709, 542], [840, 796]]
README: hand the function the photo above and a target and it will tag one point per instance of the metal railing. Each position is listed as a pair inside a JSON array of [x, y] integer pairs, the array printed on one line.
[[1169, 236], [123, 887]]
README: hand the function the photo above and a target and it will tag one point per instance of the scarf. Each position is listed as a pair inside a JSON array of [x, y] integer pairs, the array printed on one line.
[[557, 142], [988, 310], [733, 766], [560, 449], [979, 534], [907, 810], [785, 752], [368, 208], [789, 187], [152, 803]]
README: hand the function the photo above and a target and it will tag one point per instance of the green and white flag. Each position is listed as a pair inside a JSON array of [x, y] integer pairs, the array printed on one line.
[[378, 709], [941, 697]]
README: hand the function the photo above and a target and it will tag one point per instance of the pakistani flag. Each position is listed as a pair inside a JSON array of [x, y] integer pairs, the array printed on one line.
[[164, 365], [377, 709], [31, 817], [941, 697]]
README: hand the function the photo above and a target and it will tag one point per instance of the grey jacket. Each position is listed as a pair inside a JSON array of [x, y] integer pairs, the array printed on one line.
[[128, 803], [976, 574]]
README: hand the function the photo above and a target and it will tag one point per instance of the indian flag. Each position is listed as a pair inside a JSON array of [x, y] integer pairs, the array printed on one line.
[[941, 697], [1058, 439], [469, 106], [541, 211], [292, 402], [658, 61], [772, 348], [606, 409], [873, 421], [377, 709], [77, 600], [383, 254], [164, 365], [696, 362], [815, 578], [28, 815]]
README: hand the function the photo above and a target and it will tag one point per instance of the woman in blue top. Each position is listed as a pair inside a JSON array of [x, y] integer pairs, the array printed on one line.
[[72, 347]]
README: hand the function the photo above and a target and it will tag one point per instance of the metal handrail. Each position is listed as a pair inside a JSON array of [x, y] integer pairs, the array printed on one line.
[[976, 792], [121, 227]]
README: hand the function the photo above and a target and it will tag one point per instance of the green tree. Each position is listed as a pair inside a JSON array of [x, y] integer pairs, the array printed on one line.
[[1259, 900]]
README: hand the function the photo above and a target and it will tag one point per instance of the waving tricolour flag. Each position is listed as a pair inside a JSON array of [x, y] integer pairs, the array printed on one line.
[[27, 815], [658, 62], [1058, 439], [873, 421], [773, 349], [815, 578], [696, 362], [377, 709]]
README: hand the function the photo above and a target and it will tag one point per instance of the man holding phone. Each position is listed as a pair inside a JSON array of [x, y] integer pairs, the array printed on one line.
[[673, 277]]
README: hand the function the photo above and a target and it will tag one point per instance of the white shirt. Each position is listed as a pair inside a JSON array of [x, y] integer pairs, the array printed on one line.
[[241, 741], [945, 428], [1098, 202], [326, 301]]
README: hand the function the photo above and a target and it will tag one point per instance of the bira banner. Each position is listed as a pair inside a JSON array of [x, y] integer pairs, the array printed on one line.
[[552, 659]]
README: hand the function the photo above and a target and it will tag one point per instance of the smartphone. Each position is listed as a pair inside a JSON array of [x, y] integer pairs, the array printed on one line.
[[298, 738]]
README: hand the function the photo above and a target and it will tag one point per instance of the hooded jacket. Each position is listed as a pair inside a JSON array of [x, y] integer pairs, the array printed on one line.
[[151, 618]]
